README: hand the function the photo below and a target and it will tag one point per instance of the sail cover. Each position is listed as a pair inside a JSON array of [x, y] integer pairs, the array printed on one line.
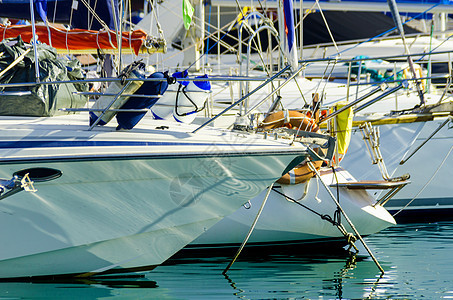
[[76, 39], [71, 12]]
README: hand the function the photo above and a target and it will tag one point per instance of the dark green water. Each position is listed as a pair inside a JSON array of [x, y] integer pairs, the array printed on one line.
[[417, 258]]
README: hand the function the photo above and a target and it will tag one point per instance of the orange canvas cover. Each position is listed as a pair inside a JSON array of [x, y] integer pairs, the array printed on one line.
[[75, 39]]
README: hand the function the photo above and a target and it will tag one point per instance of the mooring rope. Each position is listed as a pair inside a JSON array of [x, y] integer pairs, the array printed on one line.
[[335, 221], [324, 217], [250, 230]]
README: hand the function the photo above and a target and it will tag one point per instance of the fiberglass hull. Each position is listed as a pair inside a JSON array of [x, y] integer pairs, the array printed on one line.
[[284, 222], [124, 200]]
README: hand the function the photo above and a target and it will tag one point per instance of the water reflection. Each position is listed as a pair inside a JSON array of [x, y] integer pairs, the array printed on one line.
[[276, 276], [416, 258]]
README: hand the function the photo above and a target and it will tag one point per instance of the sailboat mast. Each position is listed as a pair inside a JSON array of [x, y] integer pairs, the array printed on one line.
[[35, 49], [399, 26], [301, 29], [281, 31], [117, 24]]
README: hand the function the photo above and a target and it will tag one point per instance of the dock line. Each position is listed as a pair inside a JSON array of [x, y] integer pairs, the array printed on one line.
[[250, 230], [346, 217]]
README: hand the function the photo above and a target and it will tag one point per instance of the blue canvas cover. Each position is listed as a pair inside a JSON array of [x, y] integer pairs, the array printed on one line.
[[127, 120]]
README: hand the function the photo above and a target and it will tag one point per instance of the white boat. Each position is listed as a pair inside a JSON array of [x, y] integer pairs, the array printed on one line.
[[80, 199], [282, 221], [115, 201], [391, 47], [300, 213], [428, 198]]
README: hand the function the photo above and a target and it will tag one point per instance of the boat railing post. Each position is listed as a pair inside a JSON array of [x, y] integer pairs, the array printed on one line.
[[450, 74], [430, 67], [348, 83], [210, 106], [359, 74], [35, 49], [395, 71], [449, 64], [230, 86]]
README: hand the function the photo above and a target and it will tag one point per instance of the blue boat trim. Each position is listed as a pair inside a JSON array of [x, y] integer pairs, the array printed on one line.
[[423, 210], [420, 202], [423, 215], [59, 144], [126, 156]]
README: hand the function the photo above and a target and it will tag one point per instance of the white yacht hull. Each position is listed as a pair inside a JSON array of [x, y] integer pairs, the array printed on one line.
[[430, 168], [125, 200], [285, 222]]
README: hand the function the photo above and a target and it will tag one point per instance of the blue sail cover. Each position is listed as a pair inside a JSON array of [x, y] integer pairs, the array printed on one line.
[[59, 11], [41, 7]]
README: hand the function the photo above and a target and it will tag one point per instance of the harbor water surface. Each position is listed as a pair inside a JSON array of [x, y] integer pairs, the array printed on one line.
[[417, 259]]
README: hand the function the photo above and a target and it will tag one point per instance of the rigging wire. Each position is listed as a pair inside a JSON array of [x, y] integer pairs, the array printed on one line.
[[90, 22], [382, 34], [385, 32], [426, 184], [327, 25], [215, 44]]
